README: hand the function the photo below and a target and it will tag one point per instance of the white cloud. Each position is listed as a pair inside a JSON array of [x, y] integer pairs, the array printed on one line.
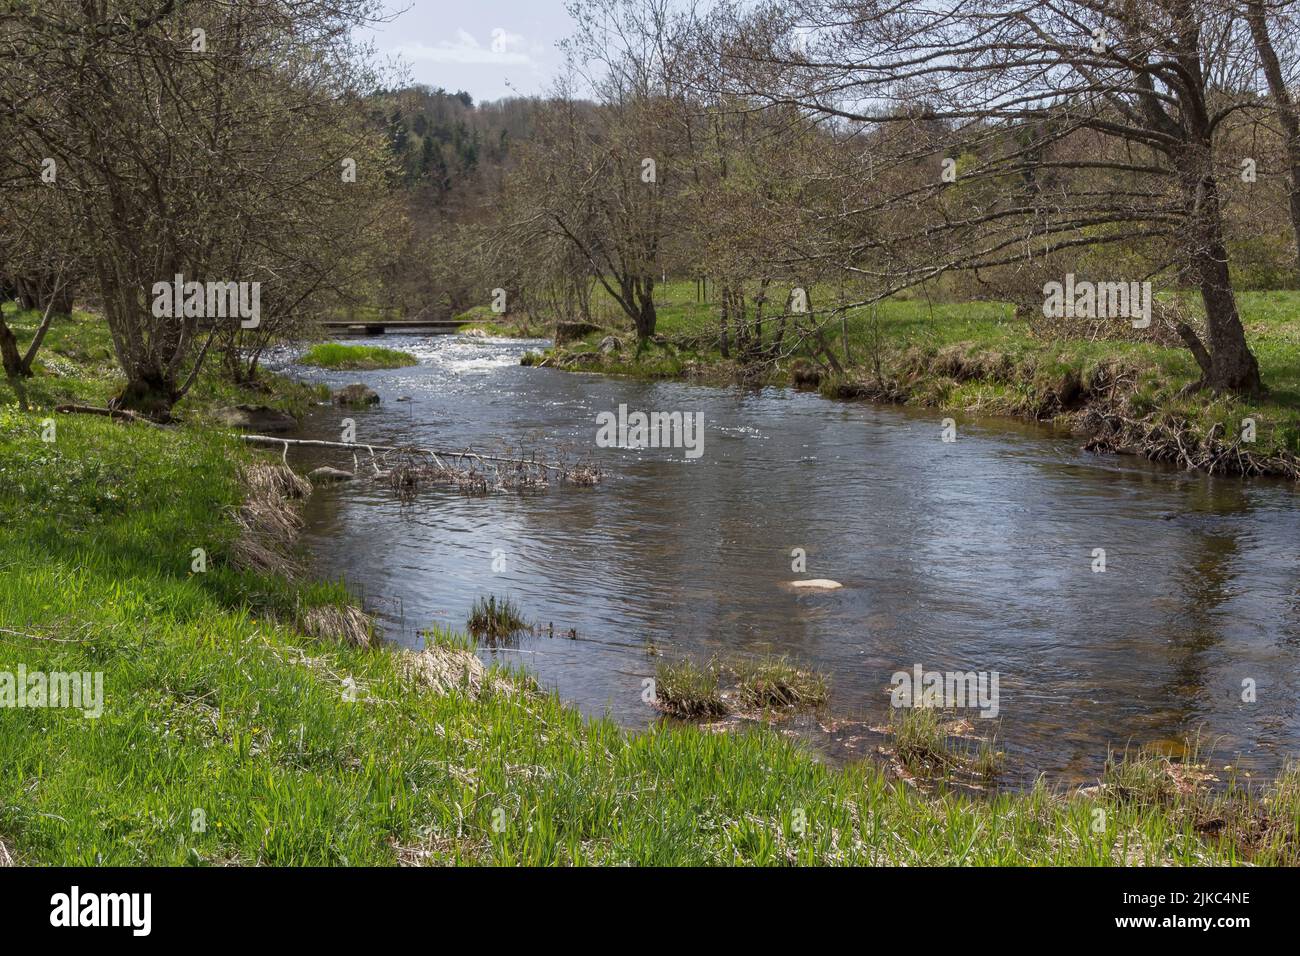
[[502, 48]]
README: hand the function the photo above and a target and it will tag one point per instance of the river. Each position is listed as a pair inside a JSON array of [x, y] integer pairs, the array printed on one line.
[[971, 555]]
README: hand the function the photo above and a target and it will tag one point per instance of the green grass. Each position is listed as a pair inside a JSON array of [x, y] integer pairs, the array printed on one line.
[[76, 365], [230, 736], [363, 357], [776, 683], [688, 690], [493, 620]]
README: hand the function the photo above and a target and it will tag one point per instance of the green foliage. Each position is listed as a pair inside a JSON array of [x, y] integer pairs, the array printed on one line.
[[303, 753], [775, 682], [364, 357], [495, 620], [688, 690]]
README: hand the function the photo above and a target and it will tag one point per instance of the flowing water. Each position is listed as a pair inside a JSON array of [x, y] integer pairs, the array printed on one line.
[[974, 555]]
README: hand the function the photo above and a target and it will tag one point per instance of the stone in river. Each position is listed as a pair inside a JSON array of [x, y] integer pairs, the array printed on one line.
[[357, 394], [256, 418], [817, 584], [326, 473]]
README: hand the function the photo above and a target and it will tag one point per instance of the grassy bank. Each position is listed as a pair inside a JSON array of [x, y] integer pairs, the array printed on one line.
[[978, 358], [76, 365], [363, 357], [239, 727], [481, 320]]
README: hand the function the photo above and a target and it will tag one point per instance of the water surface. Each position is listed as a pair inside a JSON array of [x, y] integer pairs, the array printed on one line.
[[975, 555]]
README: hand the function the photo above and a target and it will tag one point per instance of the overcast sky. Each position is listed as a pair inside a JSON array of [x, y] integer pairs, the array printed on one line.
[[489, 48]]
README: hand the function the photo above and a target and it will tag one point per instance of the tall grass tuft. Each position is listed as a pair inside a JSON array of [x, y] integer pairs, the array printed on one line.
[[689, 691], [495, 620], [921, 741], [775, 683], [360, 357]]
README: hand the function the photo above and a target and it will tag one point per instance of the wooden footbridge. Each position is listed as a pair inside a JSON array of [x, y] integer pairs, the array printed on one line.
[[373, 326]]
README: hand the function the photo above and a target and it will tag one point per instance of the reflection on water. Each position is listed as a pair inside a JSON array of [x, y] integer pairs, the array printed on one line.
[[973, 555]]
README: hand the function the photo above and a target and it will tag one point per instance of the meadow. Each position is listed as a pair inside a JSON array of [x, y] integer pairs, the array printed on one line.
[[972, 357], [236, 732]]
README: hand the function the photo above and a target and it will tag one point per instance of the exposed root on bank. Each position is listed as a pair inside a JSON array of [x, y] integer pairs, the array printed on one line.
[[1097, 404], [1170, 437]]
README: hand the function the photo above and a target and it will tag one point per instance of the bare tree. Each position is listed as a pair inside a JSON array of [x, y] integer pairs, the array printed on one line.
[[1272, 26], [162, 118], [1083, 124]]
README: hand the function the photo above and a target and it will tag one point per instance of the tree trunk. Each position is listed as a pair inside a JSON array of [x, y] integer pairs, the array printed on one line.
[[13, 361], [1232, 365], [646, 318], [1283, 106], [724, 342], [44, 292], [148, 392]]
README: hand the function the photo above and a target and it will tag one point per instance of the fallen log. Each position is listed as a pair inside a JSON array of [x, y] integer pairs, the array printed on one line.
[[117, 414]]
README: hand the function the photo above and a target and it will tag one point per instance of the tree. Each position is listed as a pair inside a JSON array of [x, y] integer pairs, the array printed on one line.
[[606, 179], [1266, 23], [1095, 122], [163, 119]]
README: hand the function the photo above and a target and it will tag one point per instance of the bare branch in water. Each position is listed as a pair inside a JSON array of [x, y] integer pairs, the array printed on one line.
[[407, 468]]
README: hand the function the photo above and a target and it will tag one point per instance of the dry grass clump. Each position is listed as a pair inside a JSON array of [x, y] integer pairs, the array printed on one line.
[[921, 740], [762, 686], [408, 469], [6, 858], [443, 670], [927, 744], [268, 523], [265, 479], [344, 625], [584, 474]]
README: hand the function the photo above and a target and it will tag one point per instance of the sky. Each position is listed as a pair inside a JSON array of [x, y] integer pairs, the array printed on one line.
[[489, 48]]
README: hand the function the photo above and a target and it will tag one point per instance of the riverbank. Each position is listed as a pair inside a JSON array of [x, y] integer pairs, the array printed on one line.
[[978, 358], [240, 727]]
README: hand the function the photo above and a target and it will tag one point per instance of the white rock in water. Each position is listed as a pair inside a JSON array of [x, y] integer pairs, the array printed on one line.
[[820, 584]]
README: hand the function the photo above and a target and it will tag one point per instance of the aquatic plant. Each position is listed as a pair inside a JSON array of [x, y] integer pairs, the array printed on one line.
[[687, 690], [493, 620], [774, 682]]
